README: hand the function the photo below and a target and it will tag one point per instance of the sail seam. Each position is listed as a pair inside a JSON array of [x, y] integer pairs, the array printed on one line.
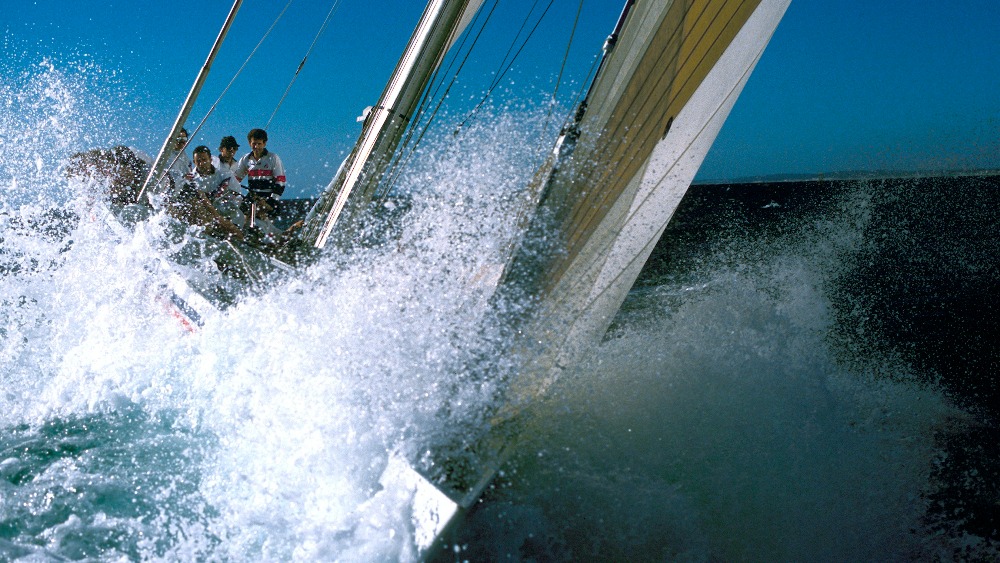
[[586, 208], [574, 287], [651, 133]]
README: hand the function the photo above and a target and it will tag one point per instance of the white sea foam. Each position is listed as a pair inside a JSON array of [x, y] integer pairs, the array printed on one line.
[[718, 422], [295, 398]]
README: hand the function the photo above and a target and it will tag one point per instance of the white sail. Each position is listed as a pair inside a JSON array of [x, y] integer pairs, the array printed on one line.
[[653, 112], [355, 183]]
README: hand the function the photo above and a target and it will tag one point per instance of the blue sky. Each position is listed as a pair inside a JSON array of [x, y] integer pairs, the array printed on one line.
[[850, 85]]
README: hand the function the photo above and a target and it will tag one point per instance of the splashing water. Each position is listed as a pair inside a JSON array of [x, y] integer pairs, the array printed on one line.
[[714, 426], [48, 113], [717, 421], [264, 434]]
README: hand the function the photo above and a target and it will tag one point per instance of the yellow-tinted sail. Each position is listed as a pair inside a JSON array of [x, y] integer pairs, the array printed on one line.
[[655, 107]]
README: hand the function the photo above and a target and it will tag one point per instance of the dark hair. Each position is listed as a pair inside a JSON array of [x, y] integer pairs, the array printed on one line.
[[202, 148], [257, 134], [119, 168]]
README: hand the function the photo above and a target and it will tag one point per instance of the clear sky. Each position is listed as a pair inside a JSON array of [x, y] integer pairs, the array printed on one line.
[[850, 85]]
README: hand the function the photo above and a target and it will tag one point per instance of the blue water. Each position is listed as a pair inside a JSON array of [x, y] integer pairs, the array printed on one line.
[[724, 418]]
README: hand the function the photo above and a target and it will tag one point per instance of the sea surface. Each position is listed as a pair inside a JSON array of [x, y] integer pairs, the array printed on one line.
[[805, 371]]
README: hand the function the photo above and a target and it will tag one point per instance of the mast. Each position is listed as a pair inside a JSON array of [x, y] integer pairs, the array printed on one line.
[[167, 154], [356, 181]]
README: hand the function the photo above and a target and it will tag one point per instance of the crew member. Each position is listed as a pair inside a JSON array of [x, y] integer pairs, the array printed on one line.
[[180, 163], [226, 161], [263, 169], [220, 186]]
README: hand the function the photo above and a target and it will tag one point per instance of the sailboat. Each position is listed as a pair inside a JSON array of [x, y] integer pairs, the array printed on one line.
[[670, 73]]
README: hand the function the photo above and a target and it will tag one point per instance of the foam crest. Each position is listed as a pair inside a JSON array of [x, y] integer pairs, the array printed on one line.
[[53, 108], [280, 413]]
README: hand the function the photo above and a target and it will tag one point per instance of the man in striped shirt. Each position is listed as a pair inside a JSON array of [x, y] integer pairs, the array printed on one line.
[[263, 169]]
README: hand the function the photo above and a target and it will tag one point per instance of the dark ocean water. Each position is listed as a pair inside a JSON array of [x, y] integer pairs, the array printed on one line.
[[902, 280], [804, 371], [923, 286]]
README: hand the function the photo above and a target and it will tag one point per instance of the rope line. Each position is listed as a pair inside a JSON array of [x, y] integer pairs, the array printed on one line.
[[247, 61], [501, 74], [322, 28], [562, 67]]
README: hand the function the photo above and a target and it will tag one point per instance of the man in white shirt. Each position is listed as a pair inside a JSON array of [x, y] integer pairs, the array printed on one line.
[[220, 186], [226, 161]]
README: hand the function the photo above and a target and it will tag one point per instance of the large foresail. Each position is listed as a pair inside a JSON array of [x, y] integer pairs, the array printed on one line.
[[616, 176], [356, 181], [656, 106]]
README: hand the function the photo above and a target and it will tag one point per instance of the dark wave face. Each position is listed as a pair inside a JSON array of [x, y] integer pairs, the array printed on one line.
[[802, 372]]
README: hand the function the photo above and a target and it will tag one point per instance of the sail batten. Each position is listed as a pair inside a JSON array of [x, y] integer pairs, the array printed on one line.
[[618, 136], [701, 53]]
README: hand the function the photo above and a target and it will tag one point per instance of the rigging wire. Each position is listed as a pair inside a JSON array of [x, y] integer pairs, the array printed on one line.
[[465, 59], [409, 150], [423, 117], [514, 42], [584, 87], [522, 215], [240, 70], [401, 162], [501, 74], [562, 67], [322, 28], [569, 44]]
